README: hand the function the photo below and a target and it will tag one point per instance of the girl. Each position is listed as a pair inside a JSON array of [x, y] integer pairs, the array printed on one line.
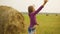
[[32, 14]]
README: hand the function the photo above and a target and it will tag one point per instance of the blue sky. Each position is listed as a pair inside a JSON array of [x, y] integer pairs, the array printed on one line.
[[53, 6]]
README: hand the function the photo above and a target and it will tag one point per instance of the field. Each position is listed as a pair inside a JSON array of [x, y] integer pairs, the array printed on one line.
[[48, 23]]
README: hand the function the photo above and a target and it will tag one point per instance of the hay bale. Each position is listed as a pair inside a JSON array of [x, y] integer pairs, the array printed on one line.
[[11, 21]]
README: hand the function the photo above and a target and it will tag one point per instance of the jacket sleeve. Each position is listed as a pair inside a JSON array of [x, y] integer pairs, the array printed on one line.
[[37, 11]]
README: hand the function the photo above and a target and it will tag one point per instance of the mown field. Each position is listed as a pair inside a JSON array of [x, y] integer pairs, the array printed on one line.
[[48, 23]]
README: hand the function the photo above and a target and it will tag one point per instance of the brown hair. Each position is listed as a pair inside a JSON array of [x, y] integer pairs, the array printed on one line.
[[30, 9], [11, 21]]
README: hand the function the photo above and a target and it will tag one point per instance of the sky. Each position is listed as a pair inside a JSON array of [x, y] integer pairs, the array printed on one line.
[[52, 6]]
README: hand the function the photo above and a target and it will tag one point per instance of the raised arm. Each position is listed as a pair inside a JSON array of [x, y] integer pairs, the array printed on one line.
[[40, 8]]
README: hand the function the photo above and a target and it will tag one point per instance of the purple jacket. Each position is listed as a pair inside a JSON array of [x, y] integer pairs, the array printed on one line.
[[33, 18]]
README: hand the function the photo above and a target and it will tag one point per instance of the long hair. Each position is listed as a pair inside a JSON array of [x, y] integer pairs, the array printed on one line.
[[31, 9], [11, 21]]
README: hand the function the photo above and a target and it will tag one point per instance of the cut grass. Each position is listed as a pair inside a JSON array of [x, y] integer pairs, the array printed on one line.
[[47, 24]]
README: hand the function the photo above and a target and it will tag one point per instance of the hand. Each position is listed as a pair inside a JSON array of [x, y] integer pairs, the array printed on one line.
[[45, 1]]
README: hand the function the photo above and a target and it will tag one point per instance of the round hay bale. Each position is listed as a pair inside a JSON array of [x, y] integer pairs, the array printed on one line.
[[11, 21]]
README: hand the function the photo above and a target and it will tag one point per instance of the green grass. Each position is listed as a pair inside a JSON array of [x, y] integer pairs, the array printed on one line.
[[47, 24]]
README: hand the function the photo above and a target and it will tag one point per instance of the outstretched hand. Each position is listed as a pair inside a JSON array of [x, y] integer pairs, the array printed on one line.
[[45, 1]]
